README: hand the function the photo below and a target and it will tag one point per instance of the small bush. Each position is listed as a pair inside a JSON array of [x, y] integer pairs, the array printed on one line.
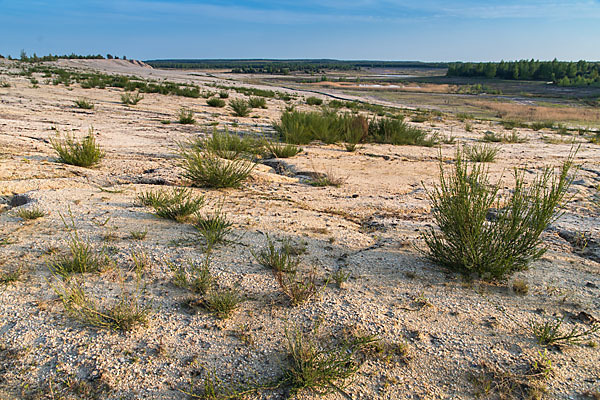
[[397, 132], [257, 102], [194, 276], [177, 205], [481, 153], [466, 241], [314, 101], [321, 368], [240, 107], [215, 102], [280, 259], [30, 213], [186, 116], [205, 169], [139, 235], [489, 136], [214, 227], [224, 94], [131, 98], [281, 150], [222, 302], [84, 104], [82, 153], [227, 145], [327, 179]]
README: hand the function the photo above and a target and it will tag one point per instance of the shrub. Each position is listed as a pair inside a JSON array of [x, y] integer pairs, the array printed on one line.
[[82, 153], [481, 153], [280, 259], [214, 227], [227, 145], [397, 132], [224, 94], [177, 205], [314, 101], [186, 116], [215, 102], [298, 286], [206, 169], [489, 136], [131, 98], [240, 107], [281, 150], [194, 276], [257, 102], [466, 241], [85, 104], [222, 302], [31, 213]]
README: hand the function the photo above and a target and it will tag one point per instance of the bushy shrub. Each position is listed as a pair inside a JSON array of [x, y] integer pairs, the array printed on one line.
[[186, 116], [468, 240], [314, 101], [257, 102], [215, 102], [82, 153], [240, 107]]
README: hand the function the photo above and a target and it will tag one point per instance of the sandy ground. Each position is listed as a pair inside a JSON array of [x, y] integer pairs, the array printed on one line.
[[369, 226]]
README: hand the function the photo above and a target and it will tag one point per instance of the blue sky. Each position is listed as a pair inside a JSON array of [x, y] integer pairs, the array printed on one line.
[[428, 30]]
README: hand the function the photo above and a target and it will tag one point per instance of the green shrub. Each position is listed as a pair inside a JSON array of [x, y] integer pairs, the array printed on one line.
[[84, 104], [281, 150], [228, 145], [186, 116], [491, 137], [215, 102], [177, 205], [82, 153], [314, 101], [257, 102], [214, 227], [31, 213], [481, 153], [222, 302], [240, 107], [280, 259], [397, 132], [224, 94], [131, 98], [466, 241], [206, 169], [536, 126]]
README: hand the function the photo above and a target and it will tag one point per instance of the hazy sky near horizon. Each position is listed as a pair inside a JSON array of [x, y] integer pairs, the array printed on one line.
[[428, 30]]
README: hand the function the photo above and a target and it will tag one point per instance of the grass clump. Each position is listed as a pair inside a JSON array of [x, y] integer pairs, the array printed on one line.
[[466, 241], [491, 137], [298, 286], [281, 150], [257, 102], [31, 213], [327, 179], [214, 227], [320, 368], [224, 94], [177, 205], [552, 333], [206, 169], [240, 107], [125, 315], [194, 276], [8, 277], [227, 145], [222, 302], [138, 235], [314, 101], [131, 98], [282, 259], [84, 104], [186, 116], [82, 153], [397, 132], [216, 102], [481, 153]]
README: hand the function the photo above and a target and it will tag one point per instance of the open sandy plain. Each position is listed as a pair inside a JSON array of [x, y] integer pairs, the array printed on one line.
[[451, 330]]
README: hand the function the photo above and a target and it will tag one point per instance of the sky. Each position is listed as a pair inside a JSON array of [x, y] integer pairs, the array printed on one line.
[[425, 30]]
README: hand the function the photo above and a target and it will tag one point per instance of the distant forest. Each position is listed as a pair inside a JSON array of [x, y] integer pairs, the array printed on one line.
[[562, 73], [287, 66]]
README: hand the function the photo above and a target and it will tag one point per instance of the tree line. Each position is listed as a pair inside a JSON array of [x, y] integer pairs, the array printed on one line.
[[562, 73]]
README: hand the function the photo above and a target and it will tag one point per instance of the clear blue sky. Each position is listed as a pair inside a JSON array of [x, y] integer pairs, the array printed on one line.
[[428, 30]]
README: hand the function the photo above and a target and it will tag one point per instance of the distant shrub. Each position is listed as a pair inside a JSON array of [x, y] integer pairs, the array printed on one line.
[[215, 102], [314, 101], [82, 153], [492, 137], [186, 116], [84, 104], [469, 241], [240, 107], [224, 94], [177, 205], [257, 102], [131, 98], [228, 145], [536, 126], [397, 132]]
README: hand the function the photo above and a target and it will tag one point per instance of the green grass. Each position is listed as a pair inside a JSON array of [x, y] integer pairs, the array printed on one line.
[[491, 137], [84, 104], [138, 235], [466, 241], [224, 94], [30, 213], [222, 302], [240, 107], [314, 101], [228, 145], [281, 150], [206, 169], [80, 152], [327, 179], [186, 116], [214, 228], [177, 204], [257, 102], [481, 153], [6, 278], [131, 98], [552, 333], [194, 276], [216, 102], [282, 259]]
